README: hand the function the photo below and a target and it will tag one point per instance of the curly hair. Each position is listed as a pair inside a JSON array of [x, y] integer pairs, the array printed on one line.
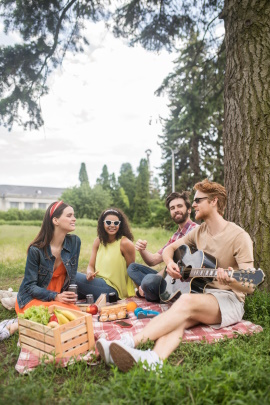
[[214, 190], [184, 195], [124, 228]]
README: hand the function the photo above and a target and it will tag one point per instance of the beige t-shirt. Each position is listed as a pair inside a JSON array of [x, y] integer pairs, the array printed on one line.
[[231, 246]]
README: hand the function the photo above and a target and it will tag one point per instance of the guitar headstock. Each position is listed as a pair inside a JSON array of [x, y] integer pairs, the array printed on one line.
[[249, 277]]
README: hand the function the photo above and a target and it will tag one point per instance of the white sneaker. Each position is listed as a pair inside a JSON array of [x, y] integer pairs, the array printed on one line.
[[103, 346], [126, 357]]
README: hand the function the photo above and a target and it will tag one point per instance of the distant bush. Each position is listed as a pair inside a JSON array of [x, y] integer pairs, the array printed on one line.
[[37, 222], [21, 222], [14, 214], [86, 222]]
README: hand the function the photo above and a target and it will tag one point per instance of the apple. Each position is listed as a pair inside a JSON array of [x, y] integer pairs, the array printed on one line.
[[53, 318], [92, 309]]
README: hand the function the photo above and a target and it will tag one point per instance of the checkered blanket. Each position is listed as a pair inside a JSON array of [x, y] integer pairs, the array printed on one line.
[[27, 361]]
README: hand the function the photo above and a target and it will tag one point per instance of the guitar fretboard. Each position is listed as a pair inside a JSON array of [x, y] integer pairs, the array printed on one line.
[[206, 273]]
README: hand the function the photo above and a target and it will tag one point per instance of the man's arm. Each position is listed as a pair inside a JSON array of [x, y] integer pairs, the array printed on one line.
[[151, 259]]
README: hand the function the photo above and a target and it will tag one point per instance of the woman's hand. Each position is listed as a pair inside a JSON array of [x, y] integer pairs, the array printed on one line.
[[90, 274], [67, 297]]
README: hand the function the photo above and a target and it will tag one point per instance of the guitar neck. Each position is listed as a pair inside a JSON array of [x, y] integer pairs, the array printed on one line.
[[207, 272]]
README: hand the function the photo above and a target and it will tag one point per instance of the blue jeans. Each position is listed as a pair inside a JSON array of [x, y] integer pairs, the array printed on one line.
[[96, 287], [147, 278]]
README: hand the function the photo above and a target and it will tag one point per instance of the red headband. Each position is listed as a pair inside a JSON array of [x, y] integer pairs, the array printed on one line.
[[54, 207]]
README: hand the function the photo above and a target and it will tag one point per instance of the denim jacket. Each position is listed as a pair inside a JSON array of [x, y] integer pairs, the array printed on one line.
[[39, 271]]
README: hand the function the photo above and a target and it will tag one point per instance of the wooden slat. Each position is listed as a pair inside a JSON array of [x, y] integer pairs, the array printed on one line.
[[35, 326], [69, 334], [76, 342], [72, 324], [36, 335], [58, 343], [38, 353], [90, 332], [78, 350], [44, 347]]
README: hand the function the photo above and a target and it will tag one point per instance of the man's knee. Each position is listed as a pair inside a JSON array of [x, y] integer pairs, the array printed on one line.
[[150, 281], [184, 303]]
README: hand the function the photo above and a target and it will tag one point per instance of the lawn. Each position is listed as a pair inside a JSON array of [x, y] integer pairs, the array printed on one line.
[[234, 371]]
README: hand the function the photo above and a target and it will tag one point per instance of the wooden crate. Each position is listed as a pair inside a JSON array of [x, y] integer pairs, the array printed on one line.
[[70, 339]]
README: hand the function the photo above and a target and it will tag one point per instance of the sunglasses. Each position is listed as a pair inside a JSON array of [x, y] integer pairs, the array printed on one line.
[[199, 199], [116, 223]]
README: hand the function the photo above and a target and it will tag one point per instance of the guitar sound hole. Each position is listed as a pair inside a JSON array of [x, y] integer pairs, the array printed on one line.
[[173, 281]]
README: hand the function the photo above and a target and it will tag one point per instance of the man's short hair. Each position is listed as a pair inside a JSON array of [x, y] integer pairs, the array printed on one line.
[[214, 190], [184, 195]]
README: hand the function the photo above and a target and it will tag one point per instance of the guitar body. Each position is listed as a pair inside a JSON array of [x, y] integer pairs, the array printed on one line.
[[171, 289]]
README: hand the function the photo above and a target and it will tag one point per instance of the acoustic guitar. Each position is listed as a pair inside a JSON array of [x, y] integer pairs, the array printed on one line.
[[197, 270]]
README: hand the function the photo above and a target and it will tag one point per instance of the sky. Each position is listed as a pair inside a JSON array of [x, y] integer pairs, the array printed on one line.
[[101, 109]]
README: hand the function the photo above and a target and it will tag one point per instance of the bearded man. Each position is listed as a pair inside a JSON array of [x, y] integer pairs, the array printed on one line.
[[147, 279]]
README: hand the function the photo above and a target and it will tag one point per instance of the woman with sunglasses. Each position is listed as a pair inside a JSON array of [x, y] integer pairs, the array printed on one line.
[[112, 253], [52, 262]]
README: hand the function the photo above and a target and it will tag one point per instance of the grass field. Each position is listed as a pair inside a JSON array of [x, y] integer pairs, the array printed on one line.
[[235, 371]]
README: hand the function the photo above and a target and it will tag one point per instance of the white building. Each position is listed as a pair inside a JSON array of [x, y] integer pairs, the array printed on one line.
[[28, 197]]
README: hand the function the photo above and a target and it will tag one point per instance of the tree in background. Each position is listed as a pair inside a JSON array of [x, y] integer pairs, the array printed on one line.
[[83, 176], [48, 29], [104, 179], [87, 202], [119, 197], [193, 130], [127, 181], [141, 200]]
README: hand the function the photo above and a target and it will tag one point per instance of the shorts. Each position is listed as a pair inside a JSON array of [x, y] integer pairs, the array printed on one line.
[[232, 310]]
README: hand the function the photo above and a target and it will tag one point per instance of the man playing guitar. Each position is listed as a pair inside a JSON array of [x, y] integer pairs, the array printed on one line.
[[219, 306]]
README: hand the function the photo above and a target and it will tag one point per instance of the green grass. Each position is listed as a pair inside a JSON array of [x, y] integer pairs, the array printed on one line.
[[234, 371]]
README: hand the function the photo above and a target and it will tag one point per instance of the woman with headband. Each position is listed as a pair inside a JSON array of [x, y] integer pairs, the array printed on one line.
[[112, 253], [52, 262]]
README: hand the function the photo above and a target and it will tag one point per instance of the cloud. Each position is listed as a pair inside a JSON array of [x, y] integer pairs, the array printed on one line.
[[98, 112]]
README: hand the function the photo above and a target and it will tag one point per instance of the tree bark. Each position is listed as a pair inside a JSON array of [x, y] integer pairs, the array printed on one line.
[[247, 122]]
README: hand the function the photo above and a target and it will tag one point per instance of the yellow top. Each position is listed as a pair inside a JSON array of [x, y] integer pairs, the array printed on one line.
[[112, 267]]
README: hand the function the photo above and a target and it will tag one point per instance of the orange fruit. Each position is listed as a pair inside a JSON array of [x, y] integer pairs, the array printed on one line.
[[131, 306]]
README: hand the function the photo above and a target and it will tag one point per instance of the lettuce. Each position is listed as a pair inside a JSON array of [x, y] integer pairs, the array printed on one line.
[[38, 314]]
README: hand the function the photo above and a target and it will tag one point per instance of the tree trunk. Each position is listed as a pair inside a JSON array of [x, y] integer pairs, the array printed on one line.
[[247, 121]]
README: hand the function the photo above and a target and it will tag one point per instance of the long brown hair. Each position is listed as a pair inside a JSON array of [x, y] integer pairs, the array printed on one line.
[[124, 228], [45, 235]]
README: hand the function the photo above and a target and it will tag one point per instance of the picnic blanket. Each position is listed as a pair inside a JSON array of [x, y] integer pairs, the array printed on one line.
[[27, 361]]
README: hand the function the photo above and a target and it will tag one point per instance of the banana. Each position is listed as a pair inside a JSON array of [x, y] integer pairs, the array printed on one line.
[[69, 315], [61, 318]]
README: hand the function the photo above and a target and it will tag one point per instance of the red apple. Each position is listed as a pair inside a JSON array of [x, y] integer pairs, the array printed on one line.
[[92, 309], [53, 318]]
